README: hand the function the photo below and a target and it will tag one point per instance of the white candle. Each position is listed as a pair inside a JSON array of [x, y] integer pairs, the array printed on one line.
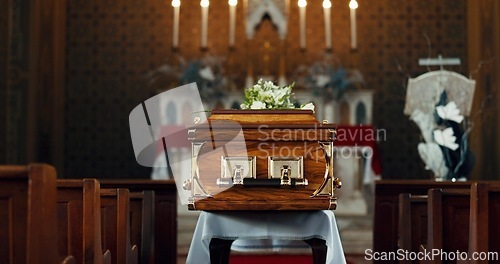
[[232, 20], [302, 6], [353, 5], [204, 22], [175, 39], [328, 32]]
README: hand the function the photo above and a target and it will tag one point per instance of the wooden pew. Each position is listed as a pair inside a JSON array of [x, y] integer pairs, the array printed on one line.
[[28, 214], [448, 220], [142, 224], [385, 224], [79, 221], [165, 210], [484, 218], [412, 228], [115, 215]]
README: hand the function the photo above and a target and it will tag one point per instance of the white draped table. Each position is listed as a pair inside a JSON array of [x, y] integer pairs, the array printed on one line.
[[271, 230]]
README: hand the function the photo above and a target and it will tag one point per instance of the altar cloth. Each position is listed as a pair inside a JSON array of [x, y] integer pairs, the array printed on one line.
[[275, 229]]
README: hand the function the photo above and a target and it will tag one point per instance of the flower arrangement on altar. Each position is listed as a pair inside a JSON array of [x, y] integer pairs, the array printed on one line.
[[267, 95], [331, 80], [446, 149], [208, 73]]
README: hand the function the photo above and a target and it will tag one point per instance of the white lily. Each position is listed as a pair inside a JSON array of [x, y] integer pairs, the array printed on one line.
[[266, 93], [258, 105], [206, 73], [308, 106], [446, 138], [450, 112], [322, 80]]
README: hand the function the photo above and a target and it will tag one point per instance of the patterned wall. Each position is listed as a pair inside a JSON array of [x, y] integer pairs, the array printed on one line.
[[113, 45]]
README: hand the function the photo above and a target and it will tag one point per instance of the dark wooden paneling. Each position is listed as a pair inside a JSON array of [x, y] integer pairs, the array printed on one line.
[[142, 229], [46, 77], [79, 228], [385, 234], [412, 228], [483, 42], [115, 226], [165, 222], [16, 80], [5, 18], [494, 219], [32, 63], [448, 221], [485, 216], [28, 214]]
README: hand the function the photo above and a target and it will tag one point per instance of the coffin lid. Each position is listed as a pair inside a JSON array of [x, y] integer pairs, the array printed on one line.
[[254, 123]]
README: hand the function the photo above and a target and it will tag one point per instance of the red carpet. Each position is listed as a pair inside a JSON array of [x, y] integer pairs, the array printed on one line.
[[272, 259]]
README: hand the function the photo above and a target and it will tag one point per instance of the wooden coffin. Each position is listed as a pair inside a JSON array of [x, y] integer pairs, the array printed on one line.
[[262, 160]]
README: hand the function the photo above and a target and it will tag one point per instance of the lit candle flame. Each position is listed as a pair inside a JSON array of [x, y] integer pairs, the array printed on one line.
[[353, 4], [327, 4], [204, 3]]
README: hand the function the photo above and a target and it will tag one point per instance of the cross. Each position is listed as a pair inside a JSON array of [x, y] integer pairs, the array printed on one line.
[[438, 61]]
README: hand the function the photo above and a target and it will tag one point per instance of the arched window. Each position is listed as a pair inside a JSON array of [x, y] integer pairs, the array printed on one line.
[[360, 113]]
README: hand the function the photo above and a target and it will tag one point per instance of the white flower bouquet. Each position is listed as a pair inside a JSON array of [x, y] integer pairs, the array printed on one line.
[[267, 95], [446, 150]]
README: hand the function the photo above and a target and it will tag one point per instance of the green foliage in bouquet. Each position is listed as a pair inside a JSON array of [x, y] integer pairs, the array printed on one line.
[[267, 95]]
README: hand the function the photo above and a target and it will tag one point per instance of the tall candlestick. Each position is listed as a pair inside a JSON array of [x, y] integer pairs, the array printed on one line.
[[302, 6], [232, 20], [328, 32], [353, 5], [175, 38], [204, 22]]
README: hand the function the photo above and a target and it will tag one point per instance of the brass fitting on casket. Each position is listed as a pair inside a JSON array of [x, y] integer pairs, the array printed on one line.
[[330, 183], [241, 171]]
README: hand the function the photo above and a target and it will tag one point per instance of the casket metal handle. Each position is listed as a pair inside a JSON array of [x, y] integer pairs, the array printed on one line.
[[330, 183], [194, 184], [238, 172], [285, 171]]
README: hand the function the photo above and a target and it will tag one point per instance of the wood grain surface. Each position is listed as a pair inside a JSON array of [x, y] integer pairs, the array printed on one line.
[[262, 134]]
